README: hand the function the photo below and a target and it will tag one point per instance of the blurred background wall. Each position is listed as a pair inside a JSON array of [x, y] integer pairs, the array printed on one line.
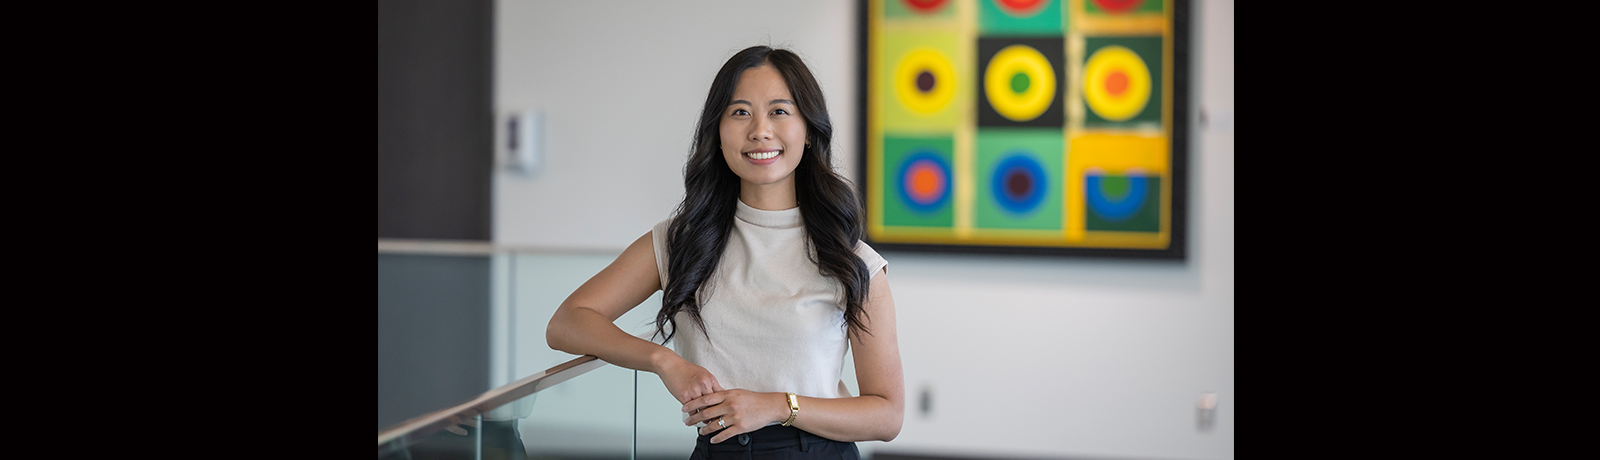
[[1004, 356], [435, 157]]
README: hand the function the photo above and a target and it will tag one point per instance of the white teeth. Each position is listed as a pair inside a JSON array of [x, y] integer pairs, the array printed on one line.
[[764, 155]]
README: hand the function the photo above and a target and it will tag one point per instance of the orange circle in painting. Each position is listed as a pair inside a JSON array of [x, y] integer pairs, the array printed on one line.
[[1117, 82], [925, 183], [1112, 97]]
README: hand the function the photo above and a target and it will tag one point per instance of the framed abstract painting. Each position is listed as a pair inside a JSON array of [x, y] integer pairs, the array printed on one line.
[[1025, 126]]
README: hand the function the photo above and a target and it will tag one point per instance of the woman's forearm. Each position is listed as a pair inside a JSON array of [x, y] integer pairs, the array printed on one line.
[[861, 418], [583, 331]]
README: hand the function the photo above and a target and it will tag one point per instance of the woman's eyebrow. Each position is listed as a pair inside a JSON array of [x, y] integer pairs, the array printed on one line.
[[774, 101]]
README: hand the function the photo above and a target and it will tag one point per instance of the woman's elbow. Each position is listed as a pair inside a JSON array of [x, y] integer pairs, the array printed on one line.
[[890, 428], [890, 431], [553, 335]]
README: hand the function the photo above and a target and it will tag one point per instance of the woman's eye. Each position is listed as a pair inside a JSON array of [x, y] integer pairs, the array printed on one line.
[[740, 112], [780, 112]]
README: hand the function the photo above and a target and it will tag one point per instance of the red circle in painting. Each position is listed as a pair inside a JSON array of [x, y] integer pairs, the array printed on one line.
[[1117, 82], [924, 6], [1020, 6], [1118, 6]]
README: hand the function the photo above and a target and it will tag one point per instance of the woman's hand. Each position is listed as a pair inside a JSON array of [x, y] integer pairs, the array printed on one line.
[[740, 411], [688, 381]]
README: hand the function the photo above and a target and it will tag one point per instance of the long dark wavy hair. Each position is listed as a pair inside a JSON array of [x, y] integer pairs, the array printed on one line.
[[699, 233]]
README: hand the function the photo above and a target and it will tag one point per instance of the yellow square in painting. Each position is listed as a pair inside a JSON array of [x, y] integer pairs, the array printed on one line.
[[1117, 152], [921, 81], [1120, 155]]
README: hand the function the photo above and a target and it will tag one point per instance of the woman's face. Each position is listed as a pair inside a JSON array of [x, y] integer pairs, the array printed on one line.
[[763, 134]]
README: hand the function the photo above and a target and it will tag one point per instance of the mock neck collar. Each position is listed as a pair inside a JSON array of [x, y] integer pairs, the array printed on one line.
[[788, 218]]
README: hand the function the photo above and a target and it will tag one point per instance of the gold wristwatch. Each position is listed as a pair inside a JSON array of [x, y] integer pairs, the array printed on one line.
[[794, 408]]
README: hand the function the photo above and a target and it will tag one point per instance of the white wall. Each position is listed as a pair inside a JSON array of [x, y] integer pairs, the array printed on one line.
[[621, 84], [1023, 356]]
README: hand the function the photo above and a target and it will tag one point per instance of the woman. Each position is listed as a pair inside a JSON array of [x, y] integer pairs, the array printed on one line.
[[765, 280]]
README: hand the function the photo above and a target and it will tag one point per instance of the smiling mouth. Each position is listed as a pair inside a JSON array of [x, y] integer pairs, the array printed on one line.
[[763, 155]]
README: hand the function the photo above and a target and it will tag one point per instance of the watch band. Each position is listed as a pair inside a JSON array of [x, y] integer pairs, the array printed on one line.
[[794, 408]]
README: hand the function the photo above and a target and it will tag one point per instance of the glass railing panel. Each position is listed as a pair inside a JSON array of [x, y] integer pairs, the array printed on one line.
[[538, 283], [662, 434], [587, 418], [460, 439], [534, 417]]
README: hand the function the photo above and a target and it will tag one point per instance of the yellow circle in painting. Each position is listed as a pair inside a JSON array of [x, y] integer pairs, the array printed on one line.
[[925, 81], [1030, 102], [1116, 83]]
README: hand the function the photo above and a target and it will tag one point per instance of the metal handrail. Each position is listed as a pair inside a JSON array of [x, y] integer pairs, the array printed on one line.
[[426, 425]]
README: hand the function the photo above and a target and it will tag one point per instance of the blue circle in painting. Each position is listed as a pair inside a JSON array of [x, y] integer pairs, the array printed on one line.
[[924, 162], [1019, 183], [1116, 208]]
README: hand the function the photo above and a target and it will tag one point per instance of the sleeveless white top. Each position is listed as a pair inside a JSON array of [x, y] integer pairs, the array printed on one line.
[[776, 322]]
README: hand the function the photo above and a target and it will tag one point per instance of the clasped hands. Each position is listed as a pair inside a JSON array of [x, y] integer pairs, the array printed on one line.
[[705, 401]]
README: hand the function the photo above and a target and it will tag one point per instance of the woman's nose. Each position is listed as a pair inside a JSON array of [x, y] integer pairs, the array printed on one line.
[[761, 130]]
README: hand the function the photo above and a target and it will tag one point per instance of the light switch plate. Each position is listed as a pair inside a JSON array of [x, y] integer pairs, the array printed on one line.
[[525, 141]]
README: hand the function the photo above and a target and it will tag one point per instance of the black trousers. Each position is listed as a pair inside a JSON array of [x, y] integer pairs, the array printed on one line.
[[774, 442]]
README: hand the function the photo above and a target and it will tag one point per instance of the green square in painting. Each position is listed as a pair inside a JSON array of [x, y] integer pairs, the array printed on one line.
[[1122, 7], [918, 9], [1113, 204], [1019, 178], [1020, 17], [898, 153], [1107, 94]]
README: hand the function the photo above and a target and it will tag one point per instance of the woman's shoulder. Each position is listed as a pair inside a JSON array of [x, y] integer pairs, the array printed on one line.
[[660, 229], [875, 262], [658, 241]]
